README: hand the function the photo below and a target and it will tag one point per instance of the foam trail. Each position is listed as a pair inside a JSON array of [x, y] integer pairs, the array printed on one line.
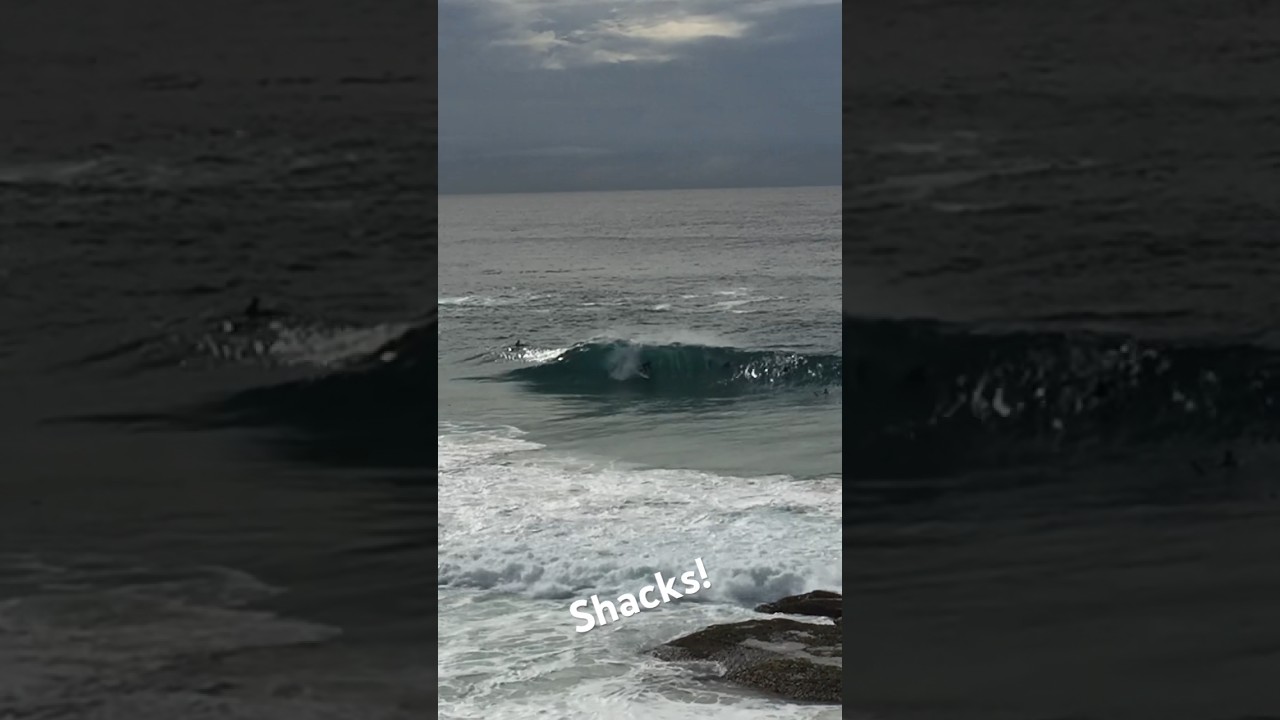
[[515, 519], [523, 531]]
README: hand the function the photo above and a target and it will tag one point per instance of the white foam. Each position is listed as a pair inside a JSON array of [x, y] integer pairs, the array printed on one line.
[[293, 343], [523, 531], [47, 172], [553, 526], [488, 300], [329, 347], [108, 635], [504, 657], [542, 674], [527, 354]]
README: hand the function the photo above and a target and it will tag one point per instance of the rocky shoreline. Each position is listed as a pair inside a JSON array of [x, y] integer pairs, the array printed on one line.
[[791, 659]]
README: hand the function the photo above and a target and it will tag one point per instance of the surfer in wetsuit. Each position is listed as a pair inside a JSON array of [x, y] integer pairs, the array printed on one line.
[[646, 371]]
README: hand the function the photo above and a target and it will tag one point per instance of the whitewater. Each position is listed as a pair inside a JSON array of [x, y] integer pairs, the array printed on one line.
[[622, 391]]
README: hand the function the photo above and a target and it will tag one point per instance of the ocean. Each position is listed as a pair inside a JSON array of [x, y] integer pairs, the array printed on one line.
[[207, 514], [1063, 392], [629, 382]]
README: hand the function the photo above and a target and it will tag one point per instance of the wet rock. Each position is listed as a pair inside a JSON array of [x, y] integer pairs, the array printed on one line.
[[794, 660], [823, 603]]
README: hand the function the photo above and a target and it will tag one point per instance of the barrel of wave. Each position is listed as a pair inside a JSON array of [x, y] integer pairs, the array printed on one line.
[[636, 361]]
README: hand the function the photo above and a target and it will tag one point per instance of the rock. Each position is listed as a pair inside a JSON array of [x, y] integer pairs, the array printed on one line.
[[794, 660], [823, 603]]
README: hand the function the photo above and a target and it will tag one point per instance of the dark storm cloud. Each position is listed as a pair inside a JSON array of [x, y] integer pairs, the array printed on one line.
[[587, 95]]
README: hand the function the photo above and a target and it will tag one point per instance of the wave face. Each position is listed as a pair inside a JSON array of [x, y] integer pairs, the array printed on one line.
[[374, 411], [923, 399], [926, 398], [678, 369]]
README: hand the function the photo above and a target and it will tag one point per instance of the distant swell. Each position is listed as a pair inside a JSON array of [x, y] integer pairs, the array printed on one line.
[[678, 369], [928, 399]]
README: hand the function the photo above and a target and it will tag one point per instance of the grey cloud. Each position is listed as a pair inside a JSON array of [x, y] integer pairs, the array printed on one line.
[[701, 117]]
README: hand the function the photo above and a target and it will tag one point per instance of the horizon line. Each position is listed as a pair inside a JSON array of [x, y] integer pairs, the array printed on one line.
[[643, 189]]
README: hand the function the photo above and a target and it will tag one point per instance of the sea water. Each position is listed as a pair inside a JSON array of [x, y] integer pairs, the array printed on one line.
[[630, 381]]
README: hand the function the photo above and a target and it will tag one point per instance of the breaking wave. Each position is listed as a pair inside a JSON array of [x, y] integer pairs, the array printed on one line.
[[371, 412], [678, 369], [925, 398]]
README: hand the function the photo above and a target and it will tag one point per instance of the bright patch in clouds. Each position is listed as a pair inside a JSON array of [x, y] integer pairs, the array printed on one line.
[[683, 30]]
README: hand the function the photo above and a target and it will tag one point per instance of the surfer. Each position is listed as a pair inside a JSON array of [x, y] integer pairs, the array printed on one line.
[[646, 370]]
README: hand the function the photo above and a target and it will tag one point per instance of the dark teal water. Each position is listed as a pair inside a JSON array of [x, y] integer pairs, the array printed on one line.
[[684, 280]]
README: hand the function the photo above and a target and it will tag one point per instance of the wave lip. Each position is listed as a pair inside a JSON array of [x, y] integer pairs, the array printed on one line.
[[678, 369]]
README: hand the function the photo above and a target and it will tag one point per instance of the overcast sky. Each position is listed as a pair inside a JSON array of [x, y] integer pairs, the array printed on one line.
[[540, 95]]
